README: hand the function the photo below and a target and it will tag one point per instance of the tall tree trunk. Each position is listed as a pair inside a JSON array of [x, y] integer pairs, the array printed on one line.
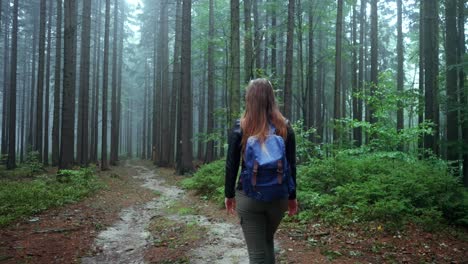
[[47, 93], [361, 75], [248, 50], [164, 70], [119, 74], [309, 102], [11, 162], [68, 102], [336, 99], [145, 109], [421, 107], [461, 84], [273, 44], [31, 128], [83, 104], [23, 109], [105, 76], [6, 88], [211, 84], [400, 58], [176, 77], [289, 61], [354, 77], [95, 112], [186, 113], [431, 62], [114, 146], [234, 80], [374, 58], [57, 85], [40, 81], [257, 38], [451, 79]]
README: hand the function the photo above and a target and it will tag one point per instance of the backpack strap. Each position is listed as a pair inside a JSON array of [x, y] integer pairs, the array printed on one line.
[[254, 176], [280, 171]]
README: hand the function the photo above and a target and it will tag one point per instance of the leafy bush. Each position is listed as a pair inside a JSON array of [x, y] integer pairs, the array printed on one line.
[[389, 187], [208, 181], [21, 199]]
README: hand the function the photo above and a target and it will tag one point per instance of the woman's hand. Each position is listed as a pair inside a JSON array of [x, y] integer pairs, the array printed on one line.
[[230, 205], [292, 207]]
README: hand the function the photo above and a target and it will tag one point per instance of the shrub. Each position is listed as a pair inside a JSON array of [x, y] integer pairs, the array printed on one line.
[[21, 199], [208, 181], [388, 187]]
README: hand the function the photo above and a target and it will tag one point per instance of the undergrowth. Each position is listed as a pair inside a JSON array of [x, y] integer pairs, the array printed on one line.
[[392, 188], [24, 198]]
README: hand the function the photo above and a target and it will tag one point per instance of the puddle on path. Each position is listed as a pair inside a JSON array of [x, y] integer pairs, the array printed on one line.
[[127, 239]]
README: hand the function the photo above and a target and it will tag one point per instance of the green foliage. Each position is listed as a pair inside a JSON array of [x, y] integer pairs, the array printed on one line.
[[24, 198], [33, 163], [389, 187], [305, 148], [208, 181]]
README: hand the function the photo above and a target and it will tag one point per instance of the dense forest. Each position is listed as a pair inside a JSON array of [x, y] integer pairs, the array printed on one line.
[[93, 81], [147, 91]]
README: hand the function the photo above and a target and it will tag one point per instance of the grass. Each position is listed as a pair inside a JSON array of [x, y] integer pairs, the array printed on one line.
[[23, 198]]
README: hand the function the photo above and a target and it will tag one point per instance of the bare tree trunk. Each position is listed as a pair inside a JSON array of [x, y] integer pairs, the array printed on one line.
[[361, 75], [69, 71], [31, 127], [309, 102], [273, 43], [47, 93], [105, 76], [5, 101], [40, 81], [257, 38], [461, 83], [289, 61], [355, 81], [11, 162], [337, 101], [234, 80], [119, 75], [431, 40], [57, 85], [176, 76], [248, 50], [114, 147], [211, 83], [186, 113], [164, 70], [400, 58], [374, 57], [421, 99]]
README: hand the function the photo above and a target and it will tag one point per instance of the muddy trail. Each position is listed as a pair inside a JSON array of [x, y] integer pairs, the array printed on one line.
[[127, 240]]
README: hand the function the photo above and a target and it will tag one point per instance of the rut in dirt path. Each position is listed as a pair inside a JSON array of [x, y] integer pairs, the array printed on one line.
[[127, 239]]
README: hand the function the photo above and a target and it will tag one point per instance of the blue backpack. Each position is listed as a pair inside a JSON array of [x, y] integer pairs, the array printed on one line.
[[266, 175]]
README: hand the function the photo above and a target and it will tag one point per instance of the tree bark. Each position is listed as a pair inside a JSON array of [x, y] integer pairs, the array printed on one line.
[[6, 88], [176, 80], [105, 73], [289, 61], [355, 82], [186, 113], [114, 146], [234, 80], [431, 62], [211, 85], [273, 42], [69, 71], [421, 108], [400, 58], [451, 79], [309, 102], [11, 162], [461, 84], [257, 39], [337, 90], [47, 93], [40, 81], [248, 49], [374, 58], [164, 70], [57, 85]]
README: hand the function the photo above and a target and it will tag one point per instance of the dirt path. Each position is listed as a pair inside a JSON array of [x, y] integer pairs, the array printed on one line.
[[127, 239]]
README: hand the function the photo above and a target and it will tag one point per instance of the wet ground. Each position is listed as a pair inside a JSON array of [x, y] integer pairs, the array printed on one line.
[[126, 240]]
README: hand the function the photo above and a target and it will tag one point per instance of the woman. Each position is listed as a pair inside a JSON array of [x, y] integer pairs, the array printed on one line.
[[259, 219]]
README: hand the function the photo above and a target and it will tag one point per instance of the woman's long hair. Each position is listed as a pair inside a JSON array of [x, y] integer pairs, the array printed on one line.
[[261, 110]]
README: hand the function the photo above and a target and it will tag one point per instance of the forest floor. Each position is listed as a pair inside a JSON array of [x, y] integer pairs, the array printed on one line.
[[142, 216]]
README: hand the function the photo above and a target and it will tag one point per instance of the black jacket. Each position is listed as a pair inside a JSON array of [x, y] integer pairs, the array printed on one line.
[[234, 157]]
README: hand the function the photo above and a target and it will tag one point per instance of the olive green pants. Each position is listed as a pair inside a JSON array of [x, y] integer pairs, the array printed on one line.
[[259, 221]]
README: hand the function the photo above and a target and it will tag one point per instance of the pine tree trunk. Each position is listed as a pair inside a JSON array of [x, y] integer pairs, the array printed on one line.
[[337, 90], [361, 75], [431, 24], [461, 84], [354, 77], [289, 61], [248, 49], [211, 85], [273, 43], [186, 113], [83, 104], [176, 76], [40, 82], [309, 102], [374, 58], [400, 58], [119, 75], [234, 79], [57, 85], [114, 146], [164, 65], [31, 126], [68, 93], [95, 112], [257, 39], [11, 162], [6, 88], [105, 75], [421, 70], [47, 93]]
